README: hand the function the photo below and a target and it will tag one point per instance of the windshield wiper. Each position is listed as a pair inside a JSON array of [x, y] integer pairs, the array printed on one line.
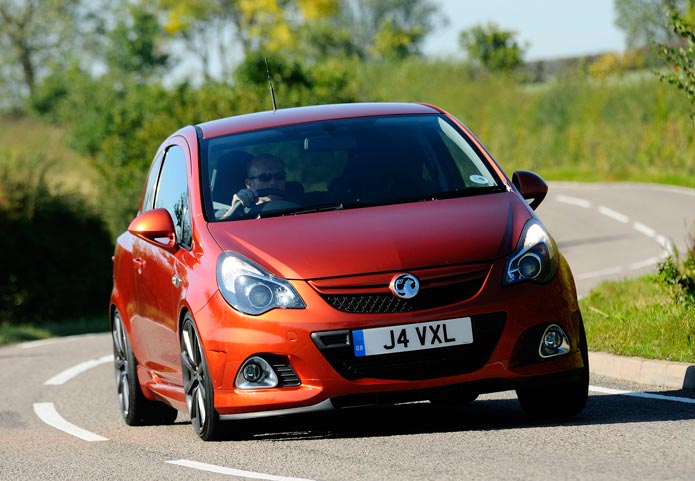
[[311, 209], [467, 192], [302, 210]]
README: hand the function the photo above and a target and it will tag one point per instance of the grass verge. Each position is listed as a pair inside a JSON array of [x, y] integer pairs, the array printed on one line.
[[640, 317], [10, 334]]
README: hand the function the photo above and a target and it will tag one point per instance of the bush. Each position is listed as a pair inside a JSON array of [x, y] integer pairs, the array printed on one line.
[[56, 260], [680, 274]]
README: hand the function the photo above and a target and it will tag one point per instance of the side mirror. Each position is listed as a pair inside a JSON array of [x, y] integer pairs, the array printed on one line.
[[531, 187], [156, 227]]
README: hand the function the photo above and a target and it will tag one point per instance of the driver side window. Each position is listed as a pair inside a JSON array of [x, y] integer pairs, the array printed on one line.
[[172, 193]]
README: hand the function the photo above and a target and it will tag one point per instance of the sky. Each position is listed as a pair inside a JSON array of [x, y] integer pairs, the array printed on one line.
[[549, 28]]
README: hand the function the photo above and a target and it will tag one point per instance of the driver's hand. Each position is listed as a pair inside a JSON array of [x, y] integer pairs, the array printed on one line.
[[248, 197]]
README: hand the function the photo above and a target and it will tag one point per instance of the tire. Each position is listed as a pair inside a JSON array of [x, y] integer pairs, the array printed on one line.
[[562, 400], [135, 408], [197, 384]]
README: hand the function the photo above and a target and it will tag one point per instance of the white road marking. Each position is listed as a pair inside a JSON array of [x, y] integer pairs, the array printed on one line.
[[644, 395], [48, 414], [566, 199], [648, 231], [667, 245], [65, 376], [613, 214], [231, 471]]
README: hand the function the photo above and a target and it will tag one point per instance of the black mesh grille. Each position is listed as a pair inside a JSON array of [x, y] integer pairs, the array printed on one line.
[[284, 371], [384, 303], [426, 364], [373, 304]]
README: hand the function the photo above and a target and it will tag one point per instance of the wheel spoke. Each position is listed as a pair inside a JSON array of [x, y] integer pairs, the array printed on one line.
[[124, 394], [201, 406], [189, 386], [195, 381], [188, 349], [188, 363], [119, 337]]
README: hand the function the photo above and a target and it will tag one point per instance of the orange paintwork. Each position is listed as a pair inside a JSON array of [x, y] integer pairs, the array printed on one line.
[[337, 252]]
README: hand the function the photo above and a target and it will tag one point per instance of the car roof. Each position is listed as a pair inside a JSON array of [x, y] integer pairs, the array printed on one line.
[[298, 115]]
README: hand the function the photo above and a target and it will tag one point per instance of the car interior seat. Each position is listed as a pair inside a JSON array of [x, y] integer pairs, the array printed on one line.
[[229, 175]]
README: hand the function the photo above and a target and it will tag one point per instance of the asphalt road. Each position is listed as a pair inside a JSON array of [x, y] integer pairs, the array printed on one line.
[[605, 232], [614, 231]]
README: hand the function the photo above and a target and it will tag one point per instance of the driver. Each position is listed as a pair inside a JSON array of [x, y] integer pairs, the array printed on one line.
[[264, 171]]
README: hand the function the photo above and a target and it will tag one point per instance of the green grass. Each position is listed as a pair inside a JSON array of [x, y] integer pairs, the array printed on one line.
[[24, 139], [10, 334], [640, 318]]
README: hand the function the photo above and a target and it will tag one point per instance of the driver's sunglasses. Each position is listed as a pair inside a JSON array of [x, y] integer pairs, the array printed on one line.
[[265, 177]]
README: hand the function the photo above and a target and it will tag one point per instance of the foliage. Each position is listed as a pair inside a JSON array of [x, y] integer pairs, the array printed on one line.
[[56, 263], [135, 43], [494, 48], [396, 43], [680, 274], [37, 34], [645, 21], [682, 59], [13, 333], [391, 29], [615, 64]]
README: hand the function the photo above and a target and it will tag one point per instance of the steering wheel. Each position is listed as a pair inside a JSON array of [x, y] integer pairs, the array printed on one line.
[[275, 193], [279, 199]]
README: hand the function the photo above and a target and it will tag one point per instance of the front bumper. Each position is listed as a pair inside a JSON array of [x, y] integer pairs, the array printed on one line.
[[501, 357]]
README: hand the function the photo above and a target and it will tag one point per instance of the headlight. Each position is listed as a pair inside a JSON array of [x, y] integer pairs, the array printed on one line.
[[535, 257], [250, 289]]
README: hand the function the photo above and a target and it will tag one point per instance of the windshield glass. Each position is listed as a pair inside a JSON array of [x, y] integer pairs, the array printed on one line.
[[340, 164]]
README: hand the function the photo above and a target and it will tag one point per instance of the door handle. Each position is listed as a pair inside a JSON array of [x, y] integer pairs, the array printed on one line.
[[139, 263]]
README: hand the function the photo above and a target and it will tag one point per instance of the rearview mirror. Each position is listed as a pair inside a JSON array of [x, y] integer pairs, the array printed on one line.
[[156, 227], [531, 186]]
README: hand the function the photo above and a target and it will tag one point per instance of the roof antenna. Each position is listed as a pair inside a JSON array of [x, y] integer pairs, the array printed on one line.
[[270, 82]]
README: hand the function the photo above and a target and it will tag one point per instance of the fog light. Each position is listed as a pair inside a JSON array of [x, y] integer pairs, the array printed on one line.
[[256, 373], [252, 372], [554, 342]]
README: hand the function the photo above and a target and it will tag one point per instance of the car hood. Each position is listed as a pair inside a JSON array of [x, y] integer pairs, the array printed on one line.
[[379, 239]]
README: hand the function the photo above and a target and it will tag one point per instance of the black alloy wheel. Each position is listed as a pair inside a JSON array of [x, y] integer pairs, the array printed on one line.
[[136, 409], [197, 384]]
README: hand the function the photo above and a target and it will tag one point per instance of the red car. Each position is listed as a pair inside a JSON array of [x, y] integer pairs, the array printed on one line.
[[333, 256]]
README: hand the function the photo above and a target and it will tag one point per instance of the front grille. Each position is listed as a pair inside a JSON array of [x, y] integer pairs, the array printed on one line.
[[336, 347], [387, 303]]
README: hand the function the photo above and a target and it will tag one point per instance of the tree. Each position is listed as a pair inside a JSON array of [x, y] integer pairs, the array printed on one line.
[[389, 28], [135, 46], [494, 48], [681, 59], [31, 33], [229, 30], [646, 21]]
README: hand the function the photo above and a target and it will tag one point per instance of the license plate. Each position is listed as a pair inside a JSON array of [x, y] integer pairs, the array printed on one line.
[[412, 337]]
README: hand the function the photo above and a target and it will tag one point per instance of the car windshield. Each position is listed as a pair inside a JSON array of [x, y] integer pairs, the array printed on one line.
[[341, 164]]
